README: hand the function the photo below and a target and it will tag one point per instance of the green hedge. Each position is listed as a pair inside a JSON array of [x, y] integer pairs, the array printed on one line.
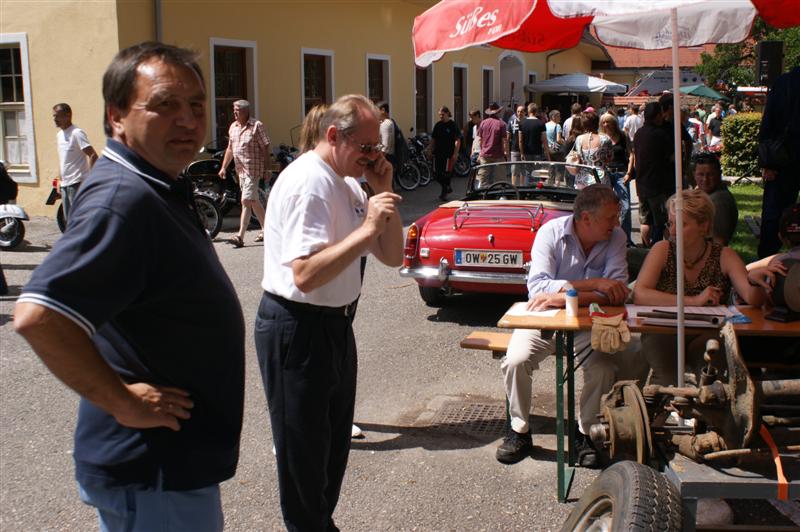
[[740, 144]]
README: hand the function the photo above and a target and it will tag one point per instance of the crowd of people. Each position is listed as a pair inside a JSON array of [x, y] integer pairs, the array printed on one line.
[[111, 309]]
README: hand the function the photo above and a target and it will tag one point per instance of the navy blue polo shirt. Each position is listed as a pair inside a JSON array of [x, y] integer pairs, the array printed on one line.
[[137, 272]]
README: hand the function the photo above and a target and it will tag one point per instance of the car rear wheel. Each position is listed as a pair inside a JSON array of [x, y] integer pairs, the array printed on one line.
[[627, 496], [433, 297]]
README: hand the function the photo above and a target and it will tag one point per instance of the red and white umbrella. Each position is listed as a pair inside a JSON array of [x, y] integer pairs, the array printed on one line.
[[542, 25]]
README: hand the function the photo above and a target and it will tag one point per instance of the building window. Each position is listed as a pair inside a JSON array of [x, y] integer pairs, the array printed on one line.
[[378, 78], [488, 87], [16, 128], [230, 85], [459, 94], [317, 78], [532, 77], [424, 88], [600, 65]]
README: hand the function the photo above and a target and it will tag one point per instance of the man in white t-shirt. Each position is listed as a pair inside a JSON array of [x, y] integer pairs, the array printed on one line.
[[633, 122], [75, 154], [319, 223]]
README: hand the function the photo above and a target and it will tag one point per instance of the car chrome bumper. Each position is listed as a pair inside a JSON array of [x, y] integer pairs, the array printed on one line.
[[444, 273]]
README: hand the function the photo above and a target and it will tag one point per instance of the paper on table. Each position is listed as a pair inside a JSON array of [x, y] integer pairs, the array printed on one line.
[[719, 310], [518, 309]]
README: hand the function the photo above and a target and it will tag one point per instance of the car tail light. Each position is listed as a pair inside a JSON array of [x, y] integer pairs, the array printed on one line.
[[412, 240]]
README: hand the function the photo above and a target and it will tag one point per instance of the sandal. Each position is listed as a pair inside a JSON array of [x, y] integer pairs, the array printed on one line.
[[260, 237], [237, 241]]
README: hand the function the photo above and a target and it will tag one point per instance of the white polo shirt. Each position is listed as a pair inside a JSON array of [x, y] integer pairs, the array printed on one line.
[[74, 163], [311, 208]]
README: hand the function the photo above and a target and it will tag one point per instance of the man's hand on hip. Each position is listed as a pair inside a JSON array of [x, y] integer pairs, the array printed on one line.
[[155, 406]]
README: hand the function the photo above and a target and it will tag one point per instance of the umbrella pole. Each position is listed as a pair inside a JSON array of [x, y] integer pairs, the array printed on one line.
[[676, 122]]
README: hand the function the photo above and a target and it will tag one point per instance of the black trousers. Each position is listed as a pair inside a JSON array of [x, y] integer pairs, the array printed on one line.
[[779, 194], [440, 173], [308, 366]]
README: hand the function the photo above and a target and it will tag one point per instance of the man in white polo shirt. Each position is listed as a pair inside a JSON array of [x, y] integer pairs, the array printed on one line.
[[75, 154], [319, 223]]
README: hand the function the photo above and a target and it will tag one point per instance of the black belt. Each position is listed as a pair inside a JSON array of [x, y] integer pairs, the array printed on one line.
[[345, 310]]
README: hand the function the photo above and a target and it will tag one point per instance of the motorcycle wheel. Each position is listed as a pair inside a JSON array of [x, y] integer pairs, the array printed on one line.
[[209, 213], [60, 218], [408, 177], [425, 173], [12, 232], [461, 168]]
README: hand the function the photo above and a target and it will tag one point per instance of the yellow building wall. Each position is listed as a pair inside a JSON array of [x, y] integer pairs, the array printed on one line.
[[69, 46], [70, 69]]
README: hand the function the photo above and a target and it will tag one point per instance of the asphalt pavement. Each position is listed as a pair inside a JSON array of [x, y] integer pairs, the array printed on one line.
[[431, 413]]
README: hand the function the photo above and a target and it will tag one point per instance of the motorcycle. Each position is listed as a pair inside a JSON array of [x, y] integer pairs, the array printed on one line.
[[12, 230], [204, 174]]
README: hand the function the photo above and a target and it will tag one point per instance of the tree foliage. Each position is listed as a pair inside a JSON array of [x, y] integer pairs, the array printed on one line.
[[733, 65]]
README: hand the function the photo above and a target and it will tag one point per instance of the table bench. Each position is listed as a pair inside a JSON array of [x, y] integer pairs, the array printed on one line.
[[496, 342]]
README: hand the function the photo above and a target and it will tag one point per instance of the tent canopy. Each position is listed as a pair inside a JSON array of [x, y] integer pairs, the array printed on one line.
[[702, 91], [578, 83]]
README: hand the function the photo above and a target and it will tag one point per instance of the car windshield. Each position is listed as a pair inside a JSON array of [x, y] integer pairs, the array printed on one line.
[[529, 180]]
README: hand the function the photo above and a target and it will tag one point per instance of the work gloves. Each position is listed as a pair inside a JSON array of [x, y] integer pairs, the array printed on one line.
[[609, 333]]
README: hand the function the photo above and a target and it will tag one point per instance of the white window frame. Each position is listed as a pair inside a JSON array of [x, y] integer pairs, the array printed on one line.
[[387, 76], [331, 91], [252, 74], [461, 119], [31, 174], [431, 75], [491, 97]]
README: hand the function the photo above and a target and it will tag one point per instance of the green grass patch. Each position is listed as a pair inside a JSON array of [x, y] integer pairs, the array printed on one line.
[[748, 200]]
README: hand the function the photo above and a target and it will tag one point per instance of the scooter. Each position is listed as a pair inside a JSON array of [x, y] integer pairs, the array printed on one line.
[[12, 230]]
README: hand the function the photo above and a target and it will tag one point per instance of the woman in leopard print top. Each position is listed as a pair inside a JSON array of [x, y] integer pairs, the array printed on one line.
[[711, 270]]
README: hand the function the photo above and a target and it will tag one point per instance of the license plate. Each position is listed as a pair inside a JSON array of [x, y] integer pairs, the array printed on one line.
[[483, 258]]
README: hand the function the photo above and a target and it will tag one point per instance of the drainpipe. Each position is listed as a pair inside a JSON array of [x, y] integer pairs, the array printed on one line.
[[158, 21]]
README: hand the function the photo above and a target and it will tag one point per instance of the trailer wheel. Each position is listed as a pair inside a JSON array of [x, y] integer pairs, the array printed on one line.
[[627, 496]]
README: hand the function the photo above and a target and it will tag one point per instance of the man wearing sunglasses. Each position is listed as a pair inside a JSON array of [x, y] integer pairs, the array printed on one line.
[[319, 223]]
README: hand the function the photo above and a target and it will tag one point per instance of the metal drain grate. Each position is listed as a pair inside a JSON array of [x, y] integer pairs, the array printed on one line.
[[472, 418]]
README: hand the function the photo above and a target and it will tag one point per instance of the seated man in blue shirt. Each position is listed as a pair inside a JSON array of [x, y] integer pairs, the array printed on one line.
[[113, 311], [586, 250]]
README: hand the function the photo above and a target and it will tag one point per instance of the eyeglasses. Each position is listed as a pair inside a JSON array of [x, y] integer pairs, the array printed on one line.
[[366, 149]]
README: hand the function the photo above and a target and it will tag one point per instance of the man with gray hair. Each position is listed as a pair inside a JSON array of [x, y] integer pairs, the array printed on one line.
[[584, 251], [75, 155], [248, 146], [319, 223], [110, 309]]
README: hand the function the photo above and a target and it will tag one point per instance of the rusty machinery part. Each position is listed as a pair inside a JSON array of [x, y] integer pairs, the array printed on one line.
[[624, 429]]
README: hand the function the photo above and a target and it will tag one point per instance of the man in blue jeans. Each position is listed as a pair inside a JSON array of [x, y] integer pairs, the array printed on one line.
[[112, 311]]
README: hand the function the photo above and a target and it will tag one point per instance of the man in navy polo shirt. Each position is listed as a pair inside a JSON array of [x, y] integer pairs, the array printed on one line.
[[114, 310]]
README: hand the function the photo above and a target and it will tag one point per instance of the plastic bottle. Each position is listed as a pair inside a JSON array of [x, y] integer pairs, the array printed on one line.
[[572, 301]]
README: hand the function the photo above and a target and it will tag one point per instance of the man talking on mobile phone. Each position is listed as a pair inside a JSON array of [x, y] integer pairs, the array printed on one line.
[[319, 224]]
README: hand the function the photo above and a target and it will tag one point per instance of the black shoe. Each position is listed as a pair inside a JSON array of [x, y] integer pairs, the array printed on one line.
[[515, 447], [585, 452], [449, 189], [443, 196]]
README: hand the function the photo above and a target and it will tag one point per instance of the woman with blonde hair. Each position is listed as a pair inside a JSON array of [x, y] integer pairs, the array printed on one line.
[[309, 133], [710, 272]]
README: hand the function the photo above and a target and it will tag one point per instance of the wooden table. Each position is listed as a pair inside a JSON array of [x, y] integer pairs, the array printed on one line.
[[566, 327]]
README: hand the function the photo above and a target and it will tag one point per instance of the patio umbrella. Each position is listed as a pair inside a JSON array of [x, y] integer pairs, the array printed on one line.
[[577, 82], [542, 25], [702, 91]]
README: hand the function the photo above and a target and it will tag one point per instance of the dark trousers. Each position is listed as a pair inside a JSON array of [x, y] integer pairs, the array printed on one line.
[[440, 173], [779, 194], [308, 366]]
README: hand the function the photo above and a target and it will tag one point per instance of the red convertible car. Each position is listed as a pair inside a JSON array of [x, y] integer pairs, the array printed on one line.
[[482, 243]]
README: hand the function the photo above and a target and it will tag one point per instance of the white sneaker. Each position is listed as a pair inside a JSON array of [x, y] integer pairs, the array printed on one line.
[[356, 432]]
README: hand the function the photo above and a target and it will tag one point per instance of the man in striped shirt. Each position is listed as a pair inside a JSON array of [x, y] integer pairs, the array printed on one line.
[[249, 148]]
